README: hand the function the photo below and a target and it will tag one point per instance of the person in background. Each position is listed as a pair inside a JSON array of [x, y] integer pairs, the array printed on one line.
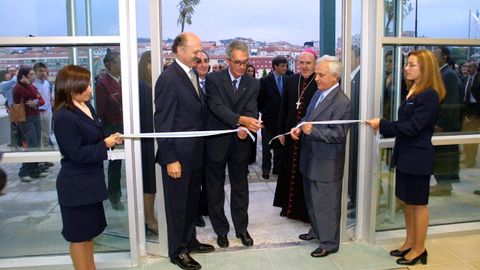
[[251, 70], [413, 152], [202, 69], [298, 92], [45, 89], [108, 92], [147, 145], [269, 101], [26, 92], [6, 87], [81, 181]]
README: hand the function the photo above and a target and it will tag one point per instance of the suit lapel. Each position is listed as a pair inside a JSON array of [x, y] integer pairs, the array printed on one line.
[[85, 118], [242, 87], [185, 79], [227, 83], [325, 103], [272, 80]]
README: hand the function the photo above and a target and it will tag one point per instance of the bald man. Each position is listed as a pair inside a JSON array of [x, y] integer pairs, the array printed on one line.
[[180, 106]]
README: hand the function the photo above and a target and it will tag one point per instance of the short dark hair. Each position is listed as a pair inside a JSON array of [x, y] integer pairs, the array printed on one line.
[[39, 65], [444, 51], [71, 80], [179, 41], [110, 57], [279, 60], [204, 52], [2, 75]]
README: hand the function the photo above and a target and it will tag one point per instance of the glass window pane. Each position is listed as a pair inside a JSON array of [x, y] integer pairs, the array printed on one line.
[[36, 18], [441, 19], [19, 137], [31, 217], [453, 107], [453, 191]]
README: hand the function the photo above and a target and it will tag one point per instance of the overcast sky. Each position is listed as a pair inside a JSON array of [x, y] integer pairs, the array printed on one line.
[[263, 20]]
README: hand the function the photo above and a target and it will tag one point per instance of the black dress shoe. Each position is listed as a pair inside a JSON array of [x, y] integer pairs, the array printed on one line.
[[265, 175], [222, 241], [283, 213], [420, 258], [476, 192], [246, 238], [305, 237], [184, 261], [320, 252], [201, 248], [399, 253], [200, 222]]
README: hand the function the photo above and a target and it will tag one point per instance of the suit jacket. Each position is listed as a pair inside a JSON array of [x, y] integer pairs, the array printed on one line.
[[323, 151], [178, 107], [413, 152], [108, 96], [81, 179], [225, 110], [449, 118], [269, 101], [475, 93]]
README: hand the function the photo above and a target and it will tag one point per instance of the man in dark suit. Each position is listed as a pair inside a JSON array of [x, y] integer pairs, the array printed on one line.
[[179, 106], [232, 102], [471, 121], [269, 101], [447, 157], [322, 156]]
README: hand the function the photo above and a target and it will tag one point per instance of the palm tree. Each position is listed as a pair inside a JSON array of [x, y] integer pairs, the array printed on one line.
[[186, 9], [390, 8]]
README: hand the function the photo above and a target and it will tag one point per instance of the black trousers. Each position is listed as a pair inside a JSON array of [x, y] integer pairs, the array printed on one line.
[[181, 208], [215, 172], [267, 135]]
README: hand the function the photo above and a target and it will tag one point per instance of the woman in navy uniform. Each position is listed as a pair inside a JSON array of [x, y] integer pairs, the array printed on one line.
[[81, 182], [413, 153]]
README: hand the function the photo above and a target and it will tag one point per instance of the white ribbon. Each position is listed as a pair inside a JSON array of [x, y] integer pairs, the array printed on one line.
[[331, 122], [186, 134]]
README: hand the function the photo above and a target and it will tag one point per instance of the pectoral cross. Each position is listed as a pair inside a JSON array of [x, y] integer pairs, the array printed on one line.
[[298, 104]]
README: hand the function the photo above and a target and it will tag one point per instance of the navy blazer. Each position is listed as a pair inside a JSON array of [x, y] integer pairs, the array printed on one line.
[[269, 101], [322, 155], [178, 107], [225, 110], [81, 179], [413, 152]]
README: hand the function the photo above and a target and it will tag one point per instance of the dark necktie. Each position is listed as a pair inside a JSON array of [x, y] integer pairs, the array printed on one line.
[[468, 92], [234, 86], [202, 85], [312, 104], [280, 85]]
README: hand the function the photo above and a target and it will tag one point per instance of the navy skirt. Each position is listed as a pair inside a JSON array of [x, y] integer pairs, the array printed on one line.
[[412, 189], [83, 223]]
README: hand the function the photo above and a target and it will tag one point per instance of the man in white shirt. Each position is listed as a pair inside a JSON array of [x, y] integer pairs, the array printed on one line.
[[45, 89]]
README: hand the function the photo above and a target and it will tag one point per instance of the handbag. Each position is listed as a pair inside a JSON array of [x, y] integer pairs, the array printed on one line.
[[16, 113]]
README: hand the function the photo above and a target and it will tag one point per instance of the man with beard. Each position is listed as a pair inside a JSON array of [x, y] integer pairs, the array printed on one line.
[[298, 92]]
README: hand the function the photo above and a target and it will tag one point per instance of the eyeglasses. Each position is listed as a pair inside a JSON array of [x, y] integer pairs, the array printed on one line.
[[200, 61], [238, 62]]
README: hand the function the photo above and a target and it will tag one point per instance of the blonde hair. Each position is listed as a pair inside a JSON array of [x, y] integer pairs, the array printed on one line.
[[430, 74]]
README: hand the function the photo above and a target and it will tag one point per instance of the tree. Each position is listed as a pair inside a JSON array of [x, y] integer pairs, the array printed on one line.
[[390, 11], [186, 9], [264, 73]]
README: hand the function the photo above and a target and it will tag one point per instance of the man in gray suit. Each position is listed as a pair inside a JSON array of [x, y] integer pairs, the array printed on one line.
[[323, 155]]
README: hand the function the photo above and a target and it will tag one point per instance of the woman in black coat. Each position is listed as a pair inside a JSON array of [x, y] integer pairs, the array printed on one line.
[[413, 152], [81, 182]]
